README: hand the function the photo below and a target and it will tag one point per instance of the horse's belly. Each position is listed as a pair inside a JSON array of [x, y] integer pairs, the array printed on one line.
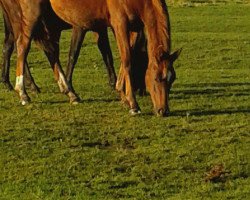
[[84, 16]]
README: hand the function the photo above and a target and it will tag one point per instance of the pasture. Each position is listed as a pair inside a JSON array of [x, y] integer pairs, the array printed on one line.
[[50, 149]]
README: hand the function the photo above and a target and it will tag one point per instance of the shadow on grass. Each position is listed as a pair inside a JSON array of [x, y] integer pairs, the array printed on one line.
[[123, 185], [104, 100], [90, 100], [206, 85], [194, 112], [182, 113], [216, 89], [54, 102]]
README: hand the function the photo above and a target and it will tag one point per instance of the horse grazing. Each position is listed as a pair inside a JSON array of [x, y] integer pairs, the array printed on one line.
[[45, 27], [139, 63], [137, 42], [138, 50], [125, 16]]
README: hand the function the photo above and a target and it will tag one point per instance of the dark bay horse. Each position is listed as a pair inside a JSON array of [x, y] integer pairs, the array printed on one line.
[[125, 16], [43, 21]]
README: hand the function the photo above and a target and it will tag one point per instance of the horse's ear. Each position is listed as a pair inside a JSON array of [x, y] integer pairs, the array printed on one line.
[[175, 55]]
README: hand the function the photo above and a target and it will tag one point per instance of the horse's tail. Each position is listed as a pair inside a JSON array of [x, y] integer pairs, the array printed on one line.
[[42, 37]]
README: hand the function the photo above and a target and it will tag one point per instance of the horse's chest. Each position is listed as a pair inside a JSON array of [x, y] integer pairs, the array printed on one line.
[[135, 24]]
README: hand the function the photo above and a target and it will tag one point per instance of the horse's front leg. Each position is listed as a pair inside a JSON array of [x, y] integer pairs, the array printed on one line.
[[53, 57], [122, 38], [23, 45], [75, 46], [104, 47]]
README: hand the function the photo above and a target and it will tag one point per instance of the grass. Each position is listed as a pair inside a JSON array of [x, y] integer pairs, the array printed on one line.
[[96, 150]]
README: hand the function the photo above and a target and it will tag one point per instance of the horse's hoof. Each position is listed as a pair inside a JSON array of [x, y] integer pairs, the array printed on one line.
[[25, 99], [134, 112], [162, 113], [24, 102], [75, 100]]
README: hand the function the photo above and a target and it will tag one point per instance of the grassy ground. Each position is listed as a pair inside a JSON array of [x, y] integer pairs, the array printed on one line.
[[96, 150]]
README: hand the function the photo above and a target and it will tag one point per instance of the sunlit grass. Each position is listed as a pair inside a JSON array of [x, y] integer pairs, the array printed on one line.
[[96, 150]]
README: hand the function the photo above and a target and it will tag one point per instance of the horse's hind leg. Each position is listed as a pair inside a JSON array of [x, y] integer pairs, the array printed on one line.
[[29, 80], [53, 57], [75, 47], [104, 47], [7, 51]]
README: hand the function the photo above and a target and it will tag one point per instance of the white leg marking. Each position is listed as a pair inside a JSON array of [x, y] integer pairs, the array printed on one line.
[[19, 83], [62, 83], [19, 87]]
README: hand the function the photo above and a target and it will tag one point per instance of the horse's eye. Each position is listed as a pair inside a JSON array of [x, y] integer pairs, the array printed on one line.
[[164, 56]]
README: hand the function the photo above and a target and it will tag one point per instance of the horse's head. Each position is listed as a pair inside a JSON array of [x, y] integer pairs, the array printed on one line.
[[159, 78]]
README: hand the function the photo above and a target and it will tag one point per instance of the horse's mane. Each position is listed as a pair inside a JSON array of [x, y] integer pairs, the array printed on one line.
[[163, 24]]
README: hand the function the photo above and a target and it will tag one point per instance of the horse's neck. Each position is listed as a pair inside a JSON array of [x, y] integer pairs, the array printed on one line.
[[158, 41], [157, 27]]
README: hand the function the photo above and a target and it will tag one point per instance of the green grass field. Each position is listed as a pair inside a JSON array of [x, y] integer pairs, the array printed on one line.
[[50, 149]]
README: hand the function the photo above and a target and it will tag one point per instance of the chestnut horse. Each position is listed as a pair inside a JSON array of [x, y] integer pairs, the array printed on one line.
[[51, 27], [125, 16], [138, 51], [8, 48]]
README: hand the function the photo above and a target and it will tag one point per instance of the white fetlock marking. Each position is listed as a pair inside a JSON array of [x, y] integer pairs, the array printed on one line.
[[19, 87], [19, 83], [62, 83]]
